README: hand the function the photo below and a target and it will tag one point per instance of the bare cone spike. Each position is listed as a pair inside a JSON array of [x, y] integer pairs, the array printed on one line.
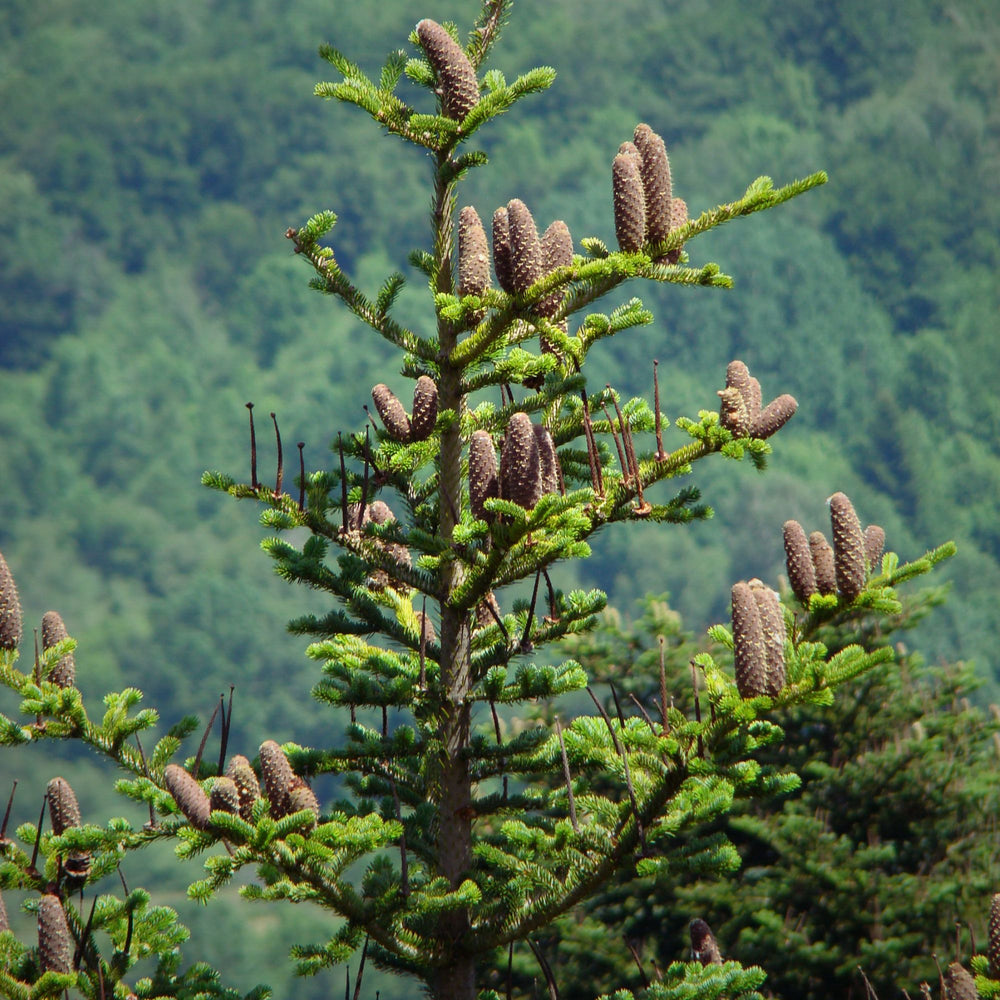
[[425, 409], [55, 943], [959, 984], [772, 622], [630, 209], [654, 170], [799, 562], [822, 557], [525, 248], [54, 631], [520, 469], [390, 409], [848, 547], [188, 794], [459, 87], [483, 481], [501, 251], [750, 655], [10, 609]]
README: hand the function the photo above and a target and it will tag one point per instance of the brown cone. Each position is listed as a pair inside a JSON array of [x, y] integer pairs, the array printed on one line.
[[557, 251], [55, 943], [390, 409], [738, 377], [225, 796], [4, 921], [678, 218], [655, 173], [547, 459], [822, 557], [278, 777], [703, 944], [750, 655], [848, 547], [425, 409], [473, 254], [483, 482], [245, 779], [53, 631], [772, 623], [959, 984], [874, 545], [525, 248], [301, 796], [520, 468], [775, 415], [501, 251], [458, 84], [64, 813], [628, 148], [188, 794], [630, 208], [10, 609], [798, 561], [993, 947], [733, 413]]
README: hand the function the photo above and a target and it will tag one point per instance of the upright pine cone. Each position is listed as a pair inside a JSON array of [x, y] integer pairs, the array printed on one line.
[[733, 413], [547, 459], [301, 796], [994, 936], [775, 415], [738, 377], [64, 813], [525, 248], [630, 208], [703, 944], [678, 218], [772, 623], [520, 468], [278, 777], [874, 544], [483, 482], [188, 794], [501, 251], [425, 409], [55, 943], [390, 409], [4, 921], [959, 984], [654, 169], [225, 796], [245, 779], [458, 84], [798, 561], [848, 547], [473, 254], [10, 609], [53, 631], [822, 557], [750, 653], [557, 251]]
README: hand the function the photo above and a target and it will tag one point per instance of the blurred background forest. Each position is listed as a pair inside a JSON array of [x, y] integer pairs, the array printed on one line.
[[152, 156]]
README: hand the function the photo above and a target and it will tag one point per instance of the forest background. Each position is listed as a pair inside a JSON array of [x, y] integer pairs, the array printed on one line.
[[152, 156]]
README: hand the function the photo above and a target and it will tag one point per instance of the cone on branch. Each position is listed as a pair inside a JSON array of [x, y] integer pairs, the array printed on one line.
[[848, 547], [55, 943], [874, 546], [225, 796], [301, 796], [458, 86], [993, 944], [740, 410], [772, 623], [10, 609], [654, 170], [547, 458], [557, 251], [520, 468], [483, 481], [393, 415], [525, 247], [959, 984], [823, 567], [733, 414], [245, 779], [425, 409], [64, 814], [502, 266], [54, 631], [678, 218], [278, 777], [799, 561], [188, 794], [704, 947], [629, 205], [749, 650], [473, 257], [774, 416]]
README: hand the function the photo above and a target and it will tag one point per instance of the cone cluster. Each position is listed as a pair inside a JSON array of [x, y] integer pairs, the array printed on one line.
[[740, 405], [529, 466], [64, 813], [10, 609], [378, 512], [53, 631], [758, 639], [816, 568], [457, 83], [645, 210], [398, 424]]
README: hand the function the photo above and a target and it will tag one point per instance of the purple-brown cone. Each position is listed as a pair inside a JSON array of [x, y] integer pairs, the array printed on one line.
[[775, 415], [501, 251], [799, 562], [822, 557], [473, 254], [547, 459], [874, 545], [848, 547], [245, 779], [483, 482], [225, 796], [655, 173], [772, 623], [425, 409], [630, 208], [703, 944], [557, 251], [10, 609], [749, 654], [278, 777], [993, 945], [458, 84], [525, 248], [55, 943], [53, 631], [188, 794], [390, 409], [520, 469]]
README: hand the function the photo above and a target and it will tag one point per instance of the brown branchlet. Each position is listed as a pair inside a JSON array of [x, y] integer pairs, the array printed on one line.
[[53, 631], [55, 943], [848, 547], [458, 86], [391, 410], [188, 794], [10, 609]]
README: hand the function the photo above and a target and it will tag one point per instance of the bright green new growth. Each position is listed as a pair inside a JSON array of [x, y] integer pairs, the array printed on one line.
[[449, 848]]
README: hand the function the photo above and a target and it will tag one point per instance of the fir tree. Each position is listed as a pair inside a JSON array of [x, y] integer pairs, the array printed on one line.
[[450, 848]]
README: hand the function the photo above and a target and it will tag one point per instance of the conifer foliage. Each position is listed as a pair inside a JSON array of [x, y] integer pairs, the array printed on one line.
[[448, 848]]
